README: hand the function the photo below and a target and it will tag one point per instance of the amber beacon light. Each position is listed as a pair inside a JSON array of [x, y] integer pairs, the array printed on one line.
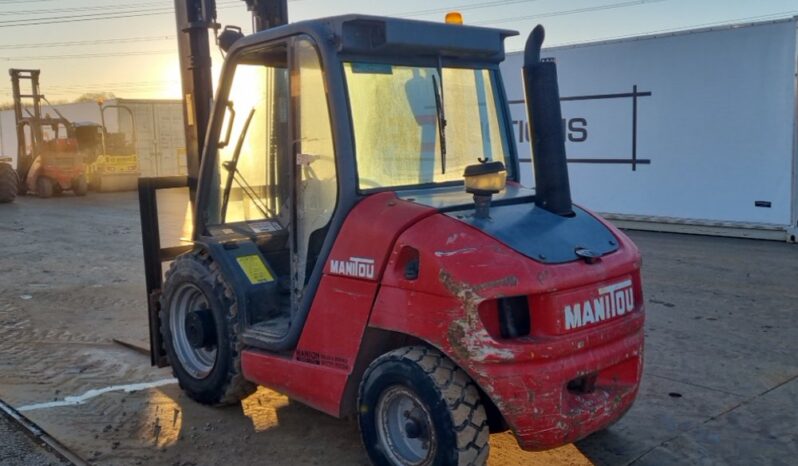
[[454, 17]]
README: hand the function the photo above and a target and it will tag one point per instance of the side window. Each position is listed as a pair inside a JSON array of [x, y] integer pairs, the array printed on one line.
[[257, 149], [317, 190]]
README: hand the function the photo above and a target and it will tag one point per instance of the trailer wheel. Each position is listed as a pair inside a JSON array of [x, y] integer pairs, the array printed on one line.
[[416, 407], [9, 183], [80, 186], [200, 330], [44, 187]]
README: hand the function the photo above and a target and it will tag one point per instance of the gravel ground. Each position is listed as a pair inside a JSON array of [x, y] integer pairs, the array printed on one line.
[[18, 449], [720, 384]]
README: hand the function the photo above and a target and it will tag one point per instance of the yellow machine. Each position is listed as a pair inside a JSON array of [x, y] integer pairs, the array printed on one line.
[[116, 166]]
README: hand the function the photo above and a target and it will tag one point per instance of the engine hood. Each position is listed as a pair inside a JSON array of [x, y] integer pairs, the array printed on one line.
[[532, 231], [541, 235]]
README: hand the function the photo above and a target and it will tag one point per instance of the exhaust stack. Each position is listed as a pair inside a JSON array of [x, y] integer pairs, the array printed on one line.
[[553, 190]]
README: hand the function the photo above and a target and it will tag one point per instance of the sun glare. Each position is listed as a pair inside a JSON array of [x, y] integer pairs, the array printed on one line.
[[170, 74], [162, 420]]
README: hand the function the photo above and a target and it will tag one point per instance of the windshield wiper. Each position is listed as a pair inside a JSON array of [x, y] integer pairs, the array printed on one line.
[[441, 117], [232, 170]]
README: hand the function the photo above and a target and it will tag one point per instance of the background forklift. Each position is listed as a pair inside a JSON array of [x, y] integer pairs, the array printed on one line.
[[361, 242], [115, 165], [50, 150]]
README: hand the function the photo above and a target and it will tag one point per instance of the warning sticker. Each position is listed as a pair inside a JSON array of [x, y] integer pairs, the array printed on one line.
[[255, 270]]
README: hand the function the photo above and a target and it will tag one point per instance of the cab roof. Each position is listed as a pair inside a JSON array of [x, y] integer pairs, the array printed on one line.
[[384, 36]]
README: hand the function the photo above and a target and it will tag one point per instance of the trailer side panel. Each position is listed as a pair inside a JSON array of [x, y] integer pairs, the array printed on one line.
[[693, 126]]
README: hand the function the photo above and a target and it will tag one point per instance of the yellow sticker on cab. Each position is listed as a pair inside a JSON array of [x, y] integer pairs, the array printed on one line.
[[255, 270]]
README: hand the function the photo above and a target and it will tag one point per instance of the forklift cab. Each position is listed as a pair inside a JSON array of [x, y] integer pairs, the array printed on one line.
[[305, 127]]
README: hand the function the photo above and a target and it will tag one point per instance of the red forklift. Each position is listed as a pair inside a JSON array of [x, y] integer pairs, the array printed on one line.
[[50, 149], [363, 245]]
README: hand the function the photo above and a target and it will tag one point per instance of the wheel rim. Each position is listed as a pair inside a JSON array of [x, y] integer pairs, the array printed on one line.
[[405, 428], [198, 362]]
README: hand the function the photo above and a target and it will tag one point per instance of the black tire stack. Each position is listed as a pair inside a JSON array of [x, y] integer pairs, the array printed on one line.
[[9, 183]]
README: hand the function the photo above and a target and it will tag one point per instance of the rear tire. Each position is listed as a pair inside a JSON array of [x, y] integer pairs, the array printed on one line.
[[44, 187], [210, 375], [9, 183], [416, 407], [80, 186]]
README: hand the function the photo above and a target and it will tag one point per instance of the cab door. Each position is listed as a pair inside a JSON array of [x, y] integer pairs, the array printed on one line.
[[316, 184], [276, 170], [252, 194], [270, 182]]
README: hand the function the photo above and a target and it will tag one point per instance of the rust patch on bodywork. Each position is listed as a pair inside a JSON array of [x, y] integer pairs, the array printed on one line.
[[467, 336]]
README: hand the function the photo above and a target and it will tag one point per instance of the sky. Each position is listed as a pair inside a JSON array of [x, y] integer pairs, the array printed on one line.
[[129, 48]]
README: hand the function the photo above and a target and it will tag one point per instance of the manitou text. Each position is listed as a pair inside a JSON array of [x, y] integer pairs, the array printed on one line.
[[612, 301]]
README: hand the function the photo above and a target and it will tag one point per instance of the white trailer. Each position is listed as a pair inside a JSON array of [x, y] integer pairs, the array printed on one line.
[[689, 132], [160, 142]]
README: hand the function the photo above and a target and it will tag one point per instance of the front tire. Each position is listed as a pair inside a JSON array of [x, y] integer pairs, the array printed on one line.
[[200, 330], [80, 186], [416, 407], [44, 187]]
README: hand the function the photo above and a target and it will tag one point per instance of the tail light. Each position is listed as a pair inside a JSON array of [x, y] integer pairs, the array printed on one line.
[[507, 318], [514, 319]]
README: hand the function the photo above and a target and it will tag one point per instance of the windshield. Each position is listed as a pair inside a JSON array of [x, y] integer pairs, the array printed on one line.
[[413, 126]]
